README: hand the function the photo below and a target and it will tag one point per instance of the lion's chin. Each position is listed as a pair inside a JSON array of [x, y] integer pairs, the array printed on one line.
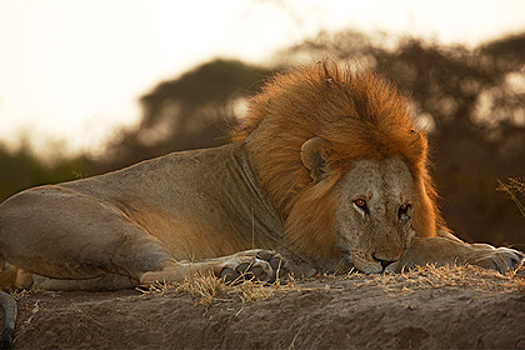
[[373, 267]]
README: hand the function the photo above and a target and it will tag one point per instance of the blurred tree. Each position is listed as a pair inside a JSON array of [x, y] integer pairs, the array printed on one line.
[[195, 110], [22, 169]]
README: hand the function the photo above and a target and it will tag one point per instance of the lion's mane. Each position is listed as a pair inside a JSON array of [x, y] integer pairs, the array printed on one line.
[[360, 116]]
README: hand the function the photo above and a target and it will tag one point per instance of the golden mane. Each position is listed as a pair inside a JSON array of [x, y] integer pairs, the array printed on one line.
[[360, 116]]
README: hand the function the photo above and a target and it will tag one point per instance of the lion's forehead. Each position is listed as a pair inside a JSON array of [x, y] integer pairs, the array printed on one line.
[[380, 180]]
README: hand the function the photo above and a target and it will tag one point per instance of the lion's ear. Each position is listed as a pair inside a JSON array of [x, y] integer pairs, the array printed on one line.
[[313, 156]]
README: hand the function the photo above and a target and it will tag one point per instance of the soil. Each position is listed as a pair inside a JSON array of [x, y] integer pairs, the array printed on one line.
[[324, 313]]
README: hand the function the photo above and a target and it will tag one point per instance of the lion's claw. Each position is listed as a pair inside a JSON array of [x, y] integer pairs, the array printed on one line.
[[502, 260]]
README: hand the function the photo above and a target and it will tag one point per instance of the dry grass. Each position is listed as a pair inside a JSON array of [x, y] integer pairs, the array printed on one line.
[[19, 294], [22, 327], [514, 188], [521, 286], [463, 276], [207, 289]]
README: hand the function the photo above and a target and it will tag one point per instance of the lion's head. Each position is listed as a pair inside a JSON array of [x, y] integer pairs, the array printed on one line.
[[343, 163]]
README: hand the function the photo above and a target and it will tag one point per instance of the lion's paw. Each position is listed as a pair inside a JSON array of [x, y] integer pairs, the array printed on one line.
[[501, 259], [262, 265]]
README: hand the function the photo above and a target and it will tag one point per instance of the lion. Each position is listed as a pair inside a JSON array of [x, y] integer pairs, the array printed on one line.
[[328, 171]]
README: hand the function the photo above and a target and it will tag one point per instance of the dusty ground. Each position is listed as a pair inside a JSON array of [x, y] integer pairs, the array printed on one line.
[[429, 308]]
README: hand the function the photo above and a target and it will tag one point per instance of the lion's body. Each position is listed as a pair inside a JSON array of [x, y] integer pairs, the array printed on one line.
[[328, 167], [195, 205], [203, 211]]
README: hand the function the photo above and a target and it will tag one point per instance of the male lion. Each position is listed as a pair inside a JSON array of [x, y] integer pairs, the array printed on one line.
[[328, 170]]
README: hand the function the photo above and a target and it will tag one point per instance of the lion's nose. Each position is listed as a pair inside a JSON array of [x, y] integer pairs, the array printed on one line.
[[384, 263]]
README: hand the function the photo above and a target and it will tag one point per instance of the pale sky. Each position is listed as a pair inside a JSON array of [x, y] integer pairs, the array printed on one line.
[[72, 70]]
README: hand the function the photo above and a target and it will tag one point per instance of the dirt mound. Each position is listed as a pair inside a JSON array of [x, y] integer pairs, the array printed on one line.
[[427, 308]]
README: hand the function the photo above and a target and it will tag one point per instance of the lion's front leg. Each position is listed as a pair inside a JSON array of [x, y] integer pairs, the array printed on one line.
[[262, 265], [447, 249]]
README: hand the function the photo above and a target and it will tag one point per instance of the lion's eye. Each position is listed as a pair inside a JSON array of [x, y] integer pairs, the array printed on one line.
[[403, 210], [361, 203]]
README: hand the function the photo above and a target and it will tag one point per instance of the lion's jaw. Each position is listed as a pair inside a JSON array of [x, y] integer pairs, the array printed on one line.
[[374, 216]]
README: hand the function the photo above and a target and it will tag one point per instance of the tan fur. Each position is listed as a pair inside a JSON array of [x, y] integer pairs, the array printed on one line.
[[315, 140]]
